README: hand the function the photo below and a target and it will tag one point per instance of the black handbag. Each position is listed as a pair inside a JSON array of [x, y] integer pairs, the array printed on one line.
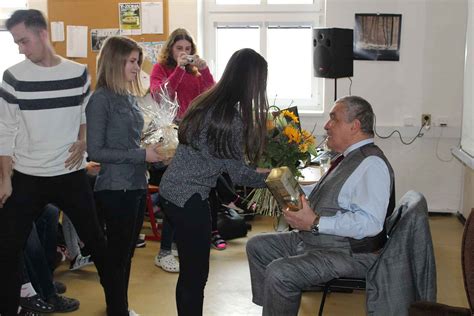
[[231, 224]]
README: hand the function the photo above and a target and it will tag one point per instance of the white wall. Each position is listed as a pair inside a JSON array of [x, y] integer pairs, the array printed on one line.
[[41, 5], [183, 13], [427, 79], [468, 119]]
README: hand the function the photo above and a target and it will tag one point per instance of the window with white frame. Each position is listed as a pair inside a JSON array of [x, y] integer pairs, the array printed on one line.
[[281, 31], [10, 54]]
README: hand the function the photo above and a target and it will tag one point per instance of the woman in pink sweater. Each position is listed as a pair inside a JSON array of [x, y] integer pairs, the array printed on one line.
[[185, 73]]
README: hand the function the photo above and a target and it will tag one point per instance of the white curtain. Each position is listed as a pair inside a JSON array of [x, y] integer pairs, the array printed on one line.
[[467, 138]]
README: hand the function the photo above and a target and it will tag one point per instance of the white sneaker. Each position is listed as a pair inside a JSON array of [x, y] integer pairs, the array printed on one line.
[[80, 262], [167, 263], [132, 313]]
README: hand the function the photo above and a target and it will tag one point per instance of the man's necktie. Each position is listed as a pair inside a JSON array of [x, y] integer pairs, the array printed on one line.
[[334, 163]]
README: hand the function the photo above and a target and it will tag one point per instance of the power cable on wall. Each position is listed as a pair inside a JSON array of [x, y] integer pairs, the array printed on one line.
[[418, 135]]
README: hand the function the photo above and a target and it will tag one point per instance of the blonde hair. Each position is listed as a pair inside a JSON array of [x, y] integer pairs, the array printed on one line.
[[111, 66]]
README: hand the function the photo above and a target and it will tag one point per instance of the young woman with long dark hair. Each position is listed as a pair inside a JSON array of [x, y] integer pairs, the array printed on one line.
[[223, 128]]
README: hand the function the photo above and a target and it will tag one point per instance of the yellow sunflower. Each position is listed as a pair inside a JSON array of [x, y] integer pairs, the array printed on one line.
[[303, 147], [290, 115], [292, 133], [307, 137]]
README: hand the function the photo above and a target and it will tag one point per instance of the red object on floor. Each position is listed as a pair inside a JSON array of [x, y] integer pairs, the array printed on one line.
[[156, 235]]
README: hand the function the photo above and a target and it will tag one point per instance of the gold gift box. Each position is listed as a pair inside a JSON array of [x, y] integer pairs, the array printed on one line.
[[285, 189]]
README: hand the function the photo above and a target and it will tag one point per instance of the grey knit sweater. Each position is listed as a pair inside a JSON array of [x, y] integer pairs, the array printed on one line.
[[196, 170]]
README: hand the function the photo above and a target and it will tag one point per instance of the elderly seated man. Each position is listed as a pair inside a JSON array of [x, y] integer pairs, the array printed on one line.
[[340, 228]]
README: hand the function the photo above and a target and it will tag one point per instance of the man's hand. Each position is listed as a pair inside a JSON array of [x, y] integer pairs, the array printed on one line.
[[76, 157], [6, 171], [5, 190], [302, 219]]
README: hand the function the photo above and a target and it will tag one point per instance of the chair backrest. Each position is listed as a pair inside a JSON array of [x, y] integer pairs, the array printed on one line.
[[405, 270], [467, 250]]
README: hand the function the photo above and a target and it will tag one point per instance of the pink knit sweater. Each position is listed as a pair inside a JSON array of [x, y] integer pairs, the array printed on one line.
[[185, 85]]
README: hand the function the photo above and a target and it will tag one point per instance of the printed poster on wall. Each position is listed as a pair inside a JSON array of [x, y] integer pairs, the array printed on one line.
[[57, 31], [152, 17], [129, 18], [151, 50], [76, 45], [98, 37]]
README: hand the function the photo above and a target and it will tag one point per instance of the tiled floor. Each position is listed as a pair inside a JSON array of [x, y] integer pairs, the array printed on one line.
[[228, 293]]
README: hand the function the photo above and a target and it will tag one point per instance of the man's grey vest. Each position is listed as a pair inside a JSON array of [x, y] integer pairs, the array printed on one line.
[[323, 199]]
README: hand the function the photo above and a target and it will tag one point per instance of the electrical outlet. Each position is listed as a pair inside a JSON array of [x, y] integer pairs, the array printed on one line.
[[443, 121], [426, 120]]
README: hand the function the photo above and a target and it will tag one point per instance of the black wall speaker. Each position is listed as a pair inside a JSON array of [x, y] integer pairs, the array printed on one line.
[[332, 52]]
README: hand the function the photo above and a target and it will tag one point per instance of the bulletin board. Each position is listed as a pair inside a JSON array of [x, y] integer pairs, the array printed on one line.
[[96, 14]]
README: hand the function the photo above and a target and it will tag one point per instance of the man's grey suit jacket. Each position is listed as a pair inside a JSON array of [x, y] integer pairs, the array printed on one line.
[[405, 271]]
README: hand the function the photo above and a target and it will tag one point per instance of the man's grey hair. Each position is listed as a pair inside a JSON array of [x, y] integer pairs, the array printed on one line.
[[359, 108]]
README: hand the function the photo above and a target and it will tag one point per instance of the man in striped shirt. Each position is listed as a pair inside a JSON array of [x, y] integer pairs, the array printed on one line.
[[42, 147]]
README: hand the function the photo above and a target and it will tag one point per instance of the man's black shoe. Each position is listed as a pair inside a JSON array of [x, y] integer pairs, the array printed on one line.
[[63, 304], [60, 287]]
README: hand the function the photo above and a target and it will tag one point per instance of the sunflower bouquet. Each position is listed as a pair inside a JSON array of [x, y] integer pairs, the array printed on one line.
[[287, 145]]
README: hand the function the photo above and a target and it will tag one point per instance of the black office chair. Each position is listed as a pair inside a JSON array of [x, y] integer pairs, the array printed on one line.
[[344, 285], [348, 285]]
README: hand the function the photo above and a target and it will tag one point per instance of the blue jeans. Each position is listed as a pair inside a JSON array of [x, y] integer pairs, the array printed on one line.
[[47, 228], [42, 236], [167, 231]]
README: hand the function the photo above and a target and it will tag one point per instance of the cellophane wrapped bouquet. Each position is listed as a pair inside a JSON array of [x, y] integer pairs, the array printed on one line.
[[160, 112]]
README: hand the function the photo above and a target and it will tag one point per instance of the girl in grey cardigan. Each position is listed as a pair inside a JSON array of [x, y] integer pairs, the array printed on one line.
[[223, 128], [114, 125]]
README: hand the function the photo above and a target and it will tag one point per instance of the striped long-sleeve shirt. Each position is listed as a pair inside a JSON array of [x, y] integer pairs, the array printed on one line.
[[41, 110]]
